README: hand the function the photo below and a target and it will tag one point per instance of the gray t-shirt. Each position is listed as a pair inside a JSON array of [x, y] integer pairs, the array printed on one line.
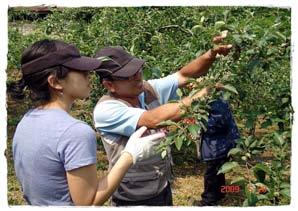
[[46, 144]]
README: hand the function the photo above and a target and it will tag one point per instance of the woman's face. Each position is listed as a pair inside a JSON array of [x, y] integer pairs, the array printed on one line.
[[76, 85]]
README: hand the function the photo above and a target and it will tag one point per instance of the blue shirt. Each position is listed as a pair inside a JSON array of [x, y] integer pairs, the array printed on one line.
[[112, 117], [46, 144]]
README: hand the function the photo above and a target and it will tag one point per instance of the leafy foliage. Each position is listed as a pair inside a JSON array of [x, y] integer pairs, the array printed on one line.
[[256, 74]]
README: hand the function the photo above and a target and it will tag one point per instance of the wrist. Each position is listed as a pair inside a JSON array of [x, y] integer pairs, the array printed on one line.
[[128, 157], [211, 54], [186, 101]]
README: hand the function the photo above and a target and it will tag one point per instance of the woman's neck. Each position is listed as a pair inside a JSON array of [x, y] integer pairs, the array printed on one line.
[[58, 103]]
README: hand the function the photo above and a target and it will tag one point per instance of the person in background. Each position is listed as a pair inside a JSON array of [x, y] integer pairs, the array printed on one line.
[[220, 136], [131, 103], [55, 154]]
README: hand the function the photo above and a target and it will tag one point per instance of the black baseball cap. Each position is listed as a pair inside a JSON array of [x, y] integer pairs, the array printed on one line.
[[119, 63], [69, 57]]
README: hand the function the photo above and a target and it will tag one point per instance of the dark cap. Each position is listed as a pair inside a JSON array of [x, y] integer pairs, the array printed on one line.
[[119, 62], [69, 57]]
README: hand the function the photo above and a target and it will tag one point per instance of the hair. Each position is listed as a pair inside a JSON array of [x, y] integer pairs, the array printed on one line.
[[37, 82]]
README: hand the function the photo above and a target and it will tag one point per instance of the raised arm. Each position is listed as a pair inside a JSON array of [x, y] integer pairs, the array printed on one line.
[[201, 64]]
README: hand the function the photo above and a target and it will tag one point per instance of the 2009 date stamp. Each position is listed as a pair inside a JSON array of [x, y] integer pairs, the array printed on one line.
[[230, 189]]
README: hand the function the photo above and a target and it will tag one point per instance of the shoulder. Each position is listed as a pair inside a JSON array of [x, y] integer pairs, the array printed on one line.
[[108, 107], [80, 129], [165, 87], [110, 103], [167, 80]]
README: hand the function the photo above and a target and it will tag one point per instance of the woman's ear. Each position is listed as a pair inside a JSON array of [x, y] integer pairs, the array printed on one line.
[[109, 85], [54, 83]]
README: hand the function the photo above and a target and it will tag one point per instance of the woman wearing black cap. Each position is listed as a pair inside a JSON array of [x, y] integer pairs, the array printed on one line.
[[54, 153]]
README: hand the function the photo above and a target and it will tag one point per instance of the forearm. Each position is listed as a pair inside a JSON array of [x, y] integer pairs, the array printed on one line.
[[199, 66], [169, 111], [108, 184]]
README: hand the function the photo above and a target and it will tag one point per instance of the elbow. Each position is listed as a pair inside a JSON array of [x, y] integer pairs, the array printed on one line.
[[98, 203], [87, 202], [154, 123]]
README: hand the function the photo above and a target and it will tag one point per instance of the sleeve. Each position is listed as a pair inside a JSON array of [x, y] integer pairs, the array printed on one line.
[[166, 87], [115, 117], [77, 146]]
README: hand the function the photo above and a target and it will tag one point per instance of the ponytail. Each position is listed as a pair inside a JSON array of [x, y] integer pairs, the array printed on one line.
[[17, 89]]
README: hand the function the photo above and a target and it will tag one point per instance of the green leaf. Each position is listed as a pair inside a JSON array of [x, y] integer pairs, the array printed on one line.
[[194, 130], [251, 52], [169, 138], [193, 92], [227, 167], [285, 185], [244, 158], [266, 124], [238, 181], [226, 96], [245, 203], [253, 63], [250, 123], [202, 19], [196, 27], [263, 167], [248, 141], [131, 50], [219, 24], [253, 144], [164, 154], [167, 123], [230, 88], [179, 92], [262, 197], [252, 199], [248, 155], [203, 126], [147, 74], [286, 193], [204, 117], [254, 152], [260, 171], [285, 100], [237, 39], [281, 35], [156, 73], [234, 151], [278, 139], [179, 142]]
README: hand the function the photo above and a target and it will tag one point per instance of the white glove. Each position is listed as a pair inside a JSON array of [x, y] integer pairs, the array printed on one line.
[[142, 148]]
